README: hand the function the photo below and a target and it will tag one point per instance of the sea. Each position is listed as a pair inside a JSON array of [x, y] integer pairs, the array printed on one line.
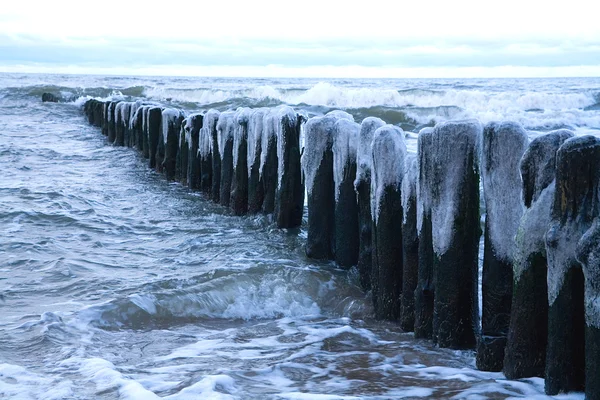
[[116, 284]]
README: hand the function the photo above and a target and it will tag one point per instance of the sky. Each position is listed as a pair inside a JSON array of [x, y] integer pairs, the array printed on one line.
[[322, 38]]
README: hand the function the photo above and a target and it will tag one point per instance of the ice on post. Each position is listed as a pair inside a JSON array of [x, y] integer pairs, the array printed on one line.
[[317, 162], [255, 188], [525, 352], [268, 162], [454, 191], [574, 208], [171, 130], [239, 184], [389, 153], [154, 126], [225, 133], [410, 244], [425, 291], [503, 145], [210, 159], [289, 202], [588, 254], [191, 160], [362, 185], [344, 148]]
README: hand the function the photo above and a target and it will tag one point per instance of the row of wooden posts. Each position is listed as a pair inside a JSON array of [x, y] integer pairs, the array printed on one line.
[[412, 223]]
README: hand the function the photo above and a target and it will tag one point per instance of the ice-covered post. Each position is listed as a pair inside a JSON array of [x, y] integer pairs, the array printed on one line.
[[119, 124], [143, 132], [575, 206], [112, 122], [239, 184], [362, 185], [389, 153], [425, 291], [206, 153], [456, 232], [344, 148], [154, 127], [410, 244], [503, 147], [289, 203], [105, 106], [125, 114], [190, 156], [133, 128], [255, 188], [525, 352], [268, 161], [171, 128], [225, 129], [317, 162], [588, 253], [210, 124]]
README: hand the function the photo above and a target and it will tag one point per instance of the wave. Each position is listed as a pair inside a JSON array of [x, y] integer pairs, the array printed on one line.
[[255, 293]]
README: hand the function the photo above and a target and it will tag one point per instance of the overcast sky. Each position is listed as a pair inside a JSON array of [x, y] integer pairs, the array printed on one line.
[[304, 38]]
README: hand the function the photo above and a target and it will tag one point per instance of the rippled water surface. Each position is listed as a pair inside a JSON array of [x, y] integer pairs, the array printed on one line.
[[115, 284]]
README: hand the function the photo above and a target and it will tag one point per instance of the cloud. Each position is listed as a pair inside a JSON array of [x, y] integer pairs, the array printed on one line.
[[293, 53]]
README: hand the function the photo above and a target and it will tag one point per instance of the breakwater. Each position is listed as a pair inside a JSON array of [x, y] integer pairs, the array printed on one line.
[[544, 193]]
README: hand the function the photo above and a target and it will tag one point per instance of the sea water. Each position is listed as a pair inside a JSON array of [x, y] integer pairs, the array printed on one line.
[[115, 284]]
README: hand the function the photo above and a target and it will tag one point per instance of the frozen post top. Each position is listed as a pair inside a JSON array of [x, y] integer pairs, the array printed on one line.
[[409, 184], [538, 163], [344, 150], [242, 117], [503, 146], [169, 117], [364, 157], [389, 151], [255, 128], [208, 124], [285, 118], [225, 129], [575, 205], [339, 114], [269, 134], [319, 133], [454, 150], [424, 144]]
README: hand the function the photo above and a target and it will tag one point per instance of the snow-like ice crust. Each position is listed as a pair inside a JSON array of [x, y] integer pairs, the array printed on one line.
[[424, 143], [187, 127], [205, 140], [409, 183], [364, 157], [539, 160], [345, 144], [452, 143], [389, 154], [339, 114], [269, 134], [319, 133], [282, 115], [564, 234], [169, 115], [242, 116], [588, 254], [531, 233], [225, 129], [503, 146], [118, 108], [255, 128]]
